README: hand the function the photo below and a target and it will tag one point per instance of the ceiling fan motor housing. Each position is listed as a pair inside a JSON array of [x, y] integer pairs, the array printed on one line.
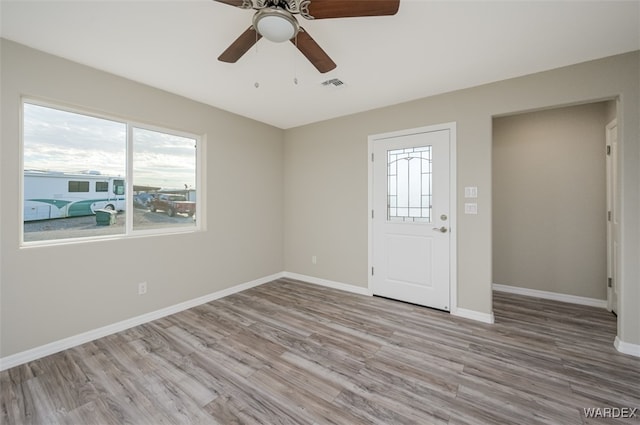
[[291, 6]]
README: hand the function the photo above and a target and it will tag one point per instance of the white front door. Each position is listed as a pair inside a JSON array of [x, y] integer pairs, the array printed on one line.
[[411, 217]]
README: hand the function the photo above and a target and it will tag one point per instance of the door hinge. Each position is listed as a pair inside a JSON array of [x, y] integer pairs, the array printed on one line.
[[608, 149], [608, 215], [372, 157], [609, 282], [372, 214], [371, 271]]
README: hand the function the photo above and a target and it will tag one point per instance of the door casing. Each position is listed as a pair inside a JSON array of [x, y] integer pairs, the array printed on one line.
[[613, 219]]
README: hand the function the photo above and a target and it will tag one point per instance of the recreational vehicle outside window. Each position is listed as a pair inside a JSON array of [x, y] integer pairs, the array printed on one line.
[[76, 163], [75, 186]]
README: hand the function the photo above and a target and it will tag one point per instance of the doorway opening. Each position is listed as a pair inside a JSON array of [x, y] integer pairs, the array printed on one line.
[[551, 234]]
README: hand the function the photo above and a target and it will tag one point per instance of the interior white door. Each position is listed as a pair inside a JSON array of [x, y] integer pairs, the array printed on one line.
[[613, 216], [411, 224]]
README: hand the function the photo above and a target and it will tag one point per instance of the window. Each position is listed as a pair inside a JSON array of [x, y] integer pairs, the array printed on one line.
[[75, 186], [75, 164], [409, 186], [118, 187], [102, 186], [167, 163]]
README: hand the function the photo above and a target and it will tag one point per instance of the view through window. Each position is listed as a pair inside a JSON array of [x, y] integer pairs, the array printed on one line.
[[75, 176], [164, 179]]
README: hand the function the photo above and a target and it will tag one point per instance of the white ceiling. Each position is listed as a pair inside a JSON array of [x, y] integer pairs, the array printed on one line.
[[429, 47]]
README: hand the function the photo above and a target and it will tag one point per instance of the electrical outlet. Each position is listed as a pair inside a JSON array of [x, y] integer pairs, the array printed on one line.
[[142, 288], [314, 259]]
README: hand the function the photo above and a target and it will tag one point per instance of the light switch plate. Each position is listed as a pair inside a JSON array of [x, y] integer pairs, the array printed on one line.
[[471, 208], [471, 192]]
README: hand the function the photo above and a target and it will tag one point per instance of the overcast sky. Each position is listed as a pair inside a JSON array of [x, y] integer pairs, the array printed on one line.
[[57, 140]]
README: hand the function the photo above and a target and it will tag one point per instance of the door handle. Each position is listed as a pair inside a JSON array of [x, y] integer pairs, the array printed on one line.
[[441, 229]]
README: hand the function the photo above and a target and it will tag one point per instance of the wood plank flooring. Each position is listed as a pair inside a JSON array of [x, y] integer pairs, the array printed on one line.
[[293, 353]]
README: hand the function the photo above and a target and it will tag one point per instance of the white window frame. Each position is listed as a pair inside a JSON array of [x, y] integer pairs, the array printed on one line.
[[129, 231]]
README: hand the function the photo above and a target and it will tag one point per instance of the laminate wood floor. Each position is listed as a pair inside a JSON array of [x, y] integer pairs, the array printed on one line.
[[288, 352]]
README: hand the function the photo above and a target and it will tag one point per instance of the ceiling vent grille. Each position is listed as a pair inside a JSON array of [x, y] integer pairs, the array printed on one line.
[[335, 82]]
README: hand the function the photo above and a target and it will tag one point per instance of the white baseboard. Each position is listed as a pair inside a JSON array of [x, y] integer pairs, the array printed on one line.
[[473, 315], [73, 341], [626, 347], [573, 299], [460, 312], [329, 283]]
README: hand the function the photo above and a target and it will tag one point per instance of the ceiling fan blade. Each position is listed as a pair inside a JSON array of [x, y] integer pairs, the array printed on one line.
[[323, 9], [236, 3], [312, 51], [239, 47]]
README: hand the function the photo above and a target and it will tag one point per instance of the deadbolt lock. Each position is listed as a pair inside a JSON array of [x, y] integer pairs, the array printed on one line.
[[443, 217]]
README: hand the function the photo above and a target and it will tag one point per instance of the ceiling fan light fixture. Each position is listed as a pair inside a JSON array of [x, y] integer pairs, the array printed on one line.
[[275, 25]]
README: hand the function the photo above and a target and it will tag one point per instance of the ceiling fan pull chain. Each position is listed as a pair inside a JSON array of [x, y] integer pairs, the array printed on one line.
[[295, 64], [256, 84]]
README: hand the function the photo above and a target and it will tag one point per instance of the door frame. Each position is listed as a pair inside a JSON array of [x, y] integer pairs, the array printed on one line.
[[453, 216], [613, 272]]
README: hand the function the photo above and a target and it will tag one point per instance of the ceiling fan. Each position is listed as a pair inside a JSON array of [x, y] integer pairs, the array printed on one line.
[[276, 21]]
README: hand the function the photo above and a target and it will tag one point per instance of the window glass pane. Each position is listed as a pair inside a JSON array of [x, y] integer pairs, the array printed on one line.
[[75, 186], [409, 188], [65, 155], [102, 186], [164, 180]]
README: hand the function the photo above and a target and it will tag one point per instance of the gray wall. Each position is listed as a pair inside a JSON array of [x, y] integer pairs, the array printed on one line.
[[549, 200], [311, 198], [49, 293], [326, 176]]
